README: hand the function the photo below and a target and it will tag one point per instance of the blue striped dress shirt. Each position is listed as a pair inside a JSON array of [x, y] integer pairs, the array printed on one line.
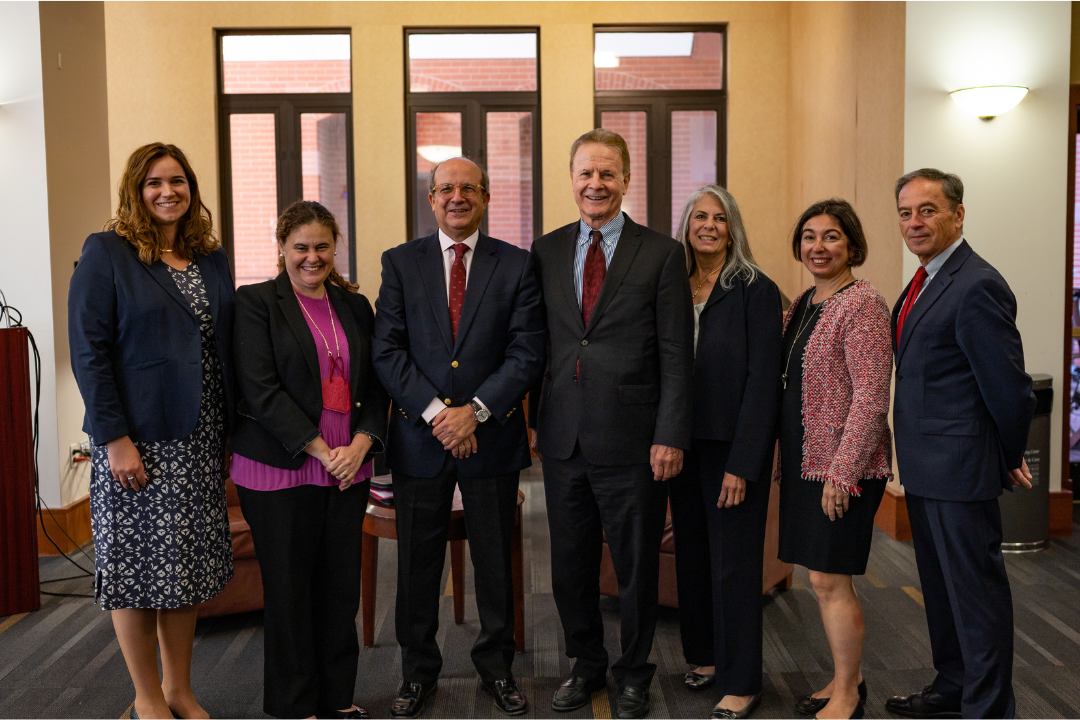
[[610, 233]]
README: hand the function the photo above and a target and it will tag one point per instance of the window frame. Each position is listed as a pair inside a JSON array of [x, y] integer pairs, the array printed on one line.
[[473, 106], [286, 109], [658, 106]]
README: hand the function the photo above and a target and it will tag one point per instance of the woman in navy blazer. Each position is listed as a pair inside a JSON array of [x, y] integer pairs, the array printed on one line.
[[150, 316], [720, 502]]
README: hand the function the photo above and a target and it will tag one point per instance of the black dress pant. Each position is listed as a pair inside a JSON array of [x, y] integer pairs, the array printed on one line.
[[585, 502], [308, 542], [422, 506], [969, 610], [719, 569]]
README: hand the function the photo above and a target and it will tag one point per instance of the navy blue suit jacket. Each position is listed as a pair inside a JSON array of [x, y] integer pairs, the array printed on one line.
[[736, 390], [498, 354], [136, 350], [963, 403]]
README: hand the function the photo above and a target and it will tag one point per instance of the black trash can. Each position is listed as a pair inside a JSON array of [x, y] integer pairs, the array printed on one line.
[[1025, 514]]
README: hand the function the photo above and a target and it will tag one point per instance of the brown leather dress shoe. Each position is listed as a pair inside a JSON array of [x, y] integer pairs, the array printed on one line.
[[925, 704]]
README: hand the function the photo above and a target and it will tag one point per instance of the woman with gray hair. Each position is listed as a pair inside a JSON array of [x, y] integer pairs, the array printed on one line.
[[720, 502]]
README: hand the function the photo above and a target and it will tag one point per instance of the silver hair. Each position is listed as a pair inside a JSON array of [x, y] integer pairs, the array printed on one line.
[[485, 182], [740, 261]]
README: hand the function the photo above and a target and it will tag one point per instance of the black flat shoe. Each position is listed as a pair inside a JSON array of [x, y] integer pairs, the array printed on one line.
[[810, 705], [925, 704], [410, 699], [694, 680], [633, 702], [576, 692], [748, 709], [509, 700]]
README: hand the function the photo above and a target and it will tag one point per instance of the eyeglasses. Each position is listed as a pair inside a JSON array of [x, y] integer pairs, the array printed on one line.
[[446, 190]]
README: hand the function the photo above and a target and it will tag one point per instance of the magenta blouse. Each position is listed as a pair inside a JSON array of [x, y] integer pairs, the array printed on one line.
[[333, 426]]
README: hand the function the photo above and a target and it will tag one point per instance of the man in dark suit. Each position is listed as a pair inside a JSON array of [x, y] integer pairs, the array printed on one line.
[[459, 339], [613, 417], [962, 411]]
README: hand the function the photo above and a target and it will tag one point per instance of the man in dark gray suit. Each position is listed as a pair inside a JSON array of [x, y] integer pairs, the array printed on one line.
[[613, 417], [962, 411]]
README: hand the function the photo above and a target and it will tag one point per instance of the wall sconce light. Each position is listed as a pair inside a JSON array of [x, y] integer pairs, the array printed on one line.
[[989, 101]]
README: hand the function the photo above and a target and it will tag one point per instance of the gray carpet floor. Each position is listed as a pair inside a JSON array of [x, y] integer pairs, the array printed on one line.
[[63, 661]]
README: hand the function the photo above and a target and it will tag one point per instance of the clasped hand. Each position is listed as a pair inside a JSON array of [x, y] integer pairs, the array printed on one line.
[[455, 428], [342, 462]]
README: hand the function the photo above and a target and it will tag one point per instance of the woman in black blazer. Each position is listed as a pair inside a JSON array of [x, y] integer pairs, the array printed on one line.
[[720, 502], [310, 415], [150, 319]]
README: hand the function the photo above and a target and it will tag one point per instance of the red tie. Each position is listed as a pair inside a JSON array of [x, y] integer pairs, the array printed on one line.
[[593, 280], [457, 286], [916, 285]]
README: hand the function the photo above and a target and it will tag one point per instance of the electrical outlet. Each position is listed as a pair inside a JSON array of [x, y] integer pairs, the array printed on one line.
[[84, 447]]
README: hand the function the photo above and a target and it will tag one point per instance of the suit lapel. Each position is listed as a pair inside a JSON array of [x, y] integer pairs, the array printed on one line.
[[430, 262], [480, 271], [160, 272], [629, 242], [718, 293], [294, 316], [928, 297], [357, 347], [567, 251]]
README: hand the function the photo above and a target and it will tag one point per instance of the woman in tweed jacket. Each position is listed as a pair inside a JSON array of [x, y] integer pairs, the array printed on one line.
[[835, 444]]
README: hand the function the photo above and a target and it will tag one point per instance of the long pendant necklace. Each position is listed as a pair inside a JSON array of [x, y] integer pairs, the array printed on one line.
[[700, 284], [806, 318]]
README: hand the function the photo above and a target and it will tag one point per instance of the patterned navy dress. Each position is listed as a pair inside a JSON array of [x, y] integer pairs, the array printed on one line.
[[168, 545]]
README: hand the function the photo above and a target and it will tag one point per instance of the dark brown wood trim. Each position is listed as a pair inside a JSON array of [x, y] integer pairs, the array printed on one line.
[[1061, 514], [1070, 219], [892, 515]]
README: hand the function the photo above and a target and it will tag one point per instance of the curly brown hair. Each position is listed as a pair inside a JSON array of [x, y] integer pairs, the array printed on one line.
[[305, 212], [134, 223]]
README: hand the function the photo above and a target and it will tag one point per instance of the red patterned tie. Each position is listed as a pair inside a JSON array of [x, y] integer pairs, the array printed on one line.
[[916, 285], [593, 280], [457, 286]]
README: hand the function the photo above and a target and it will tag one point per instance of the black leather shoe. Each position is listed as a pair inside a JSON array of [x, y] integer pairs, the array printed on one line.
[[576, 692], [410, 700], [925, 704], [508, 699], [748, 709], [810, 705], [633, 702], [694, 680]]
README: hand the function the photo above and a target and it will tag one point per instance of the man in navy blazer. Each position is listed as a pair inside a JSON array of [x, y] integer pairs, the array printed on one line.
[[962, 411], [459, 339]]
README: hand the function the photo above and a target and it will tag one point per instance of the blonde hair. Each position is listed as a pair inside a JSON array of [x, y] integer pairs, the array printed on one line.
[[305, 212], [134, 223]]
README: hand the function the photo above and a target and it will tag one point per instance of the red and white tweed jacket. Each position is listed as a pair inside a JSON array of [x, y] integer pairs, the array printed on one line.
[[847, 370]]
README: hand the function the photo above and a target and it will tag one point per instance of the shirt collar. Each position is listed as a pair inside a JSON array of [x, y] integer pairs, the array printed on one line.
[[934, 265], [445, 241], [610, 231]]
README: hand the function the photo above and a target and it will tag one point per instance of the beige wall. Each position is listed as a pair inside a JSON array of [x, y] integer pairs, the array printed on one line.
[[846, 124], [77, 166], [161, 86], [1014, 167]]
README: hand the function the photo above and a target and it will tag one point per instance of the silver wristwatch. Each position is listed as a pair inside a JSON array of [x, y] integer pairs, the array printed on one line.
[[482, 413]]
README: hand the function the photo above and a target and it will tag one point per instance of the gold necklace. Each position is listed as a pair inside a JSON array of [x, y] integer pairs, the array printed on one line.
[[802, 326], [700, 284]]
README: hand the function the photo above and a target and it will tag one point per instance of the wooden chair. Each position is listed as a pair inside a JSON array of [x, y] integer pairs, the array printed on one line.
[[380, 522]]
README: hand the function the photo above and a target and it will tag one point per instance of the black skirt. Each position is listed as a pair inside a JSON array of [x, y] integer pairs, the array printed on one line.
[[807, 536]]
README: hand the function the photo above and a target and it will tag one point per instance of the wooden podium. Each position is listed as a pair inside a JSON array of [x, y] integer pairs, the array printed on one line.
[[19, 588]]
